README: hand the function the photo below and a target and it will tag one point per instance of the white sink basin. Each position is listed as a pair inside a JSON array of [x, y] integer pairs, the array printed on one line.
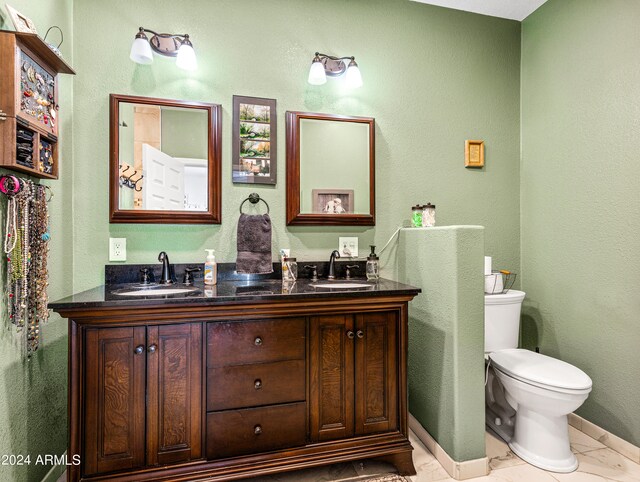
[[341, 286], [156, 292]]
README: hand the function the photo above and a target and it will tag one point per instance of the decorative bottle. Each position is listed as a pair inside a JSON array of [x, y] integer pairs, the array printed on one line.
[[373, 265], [428, 215]]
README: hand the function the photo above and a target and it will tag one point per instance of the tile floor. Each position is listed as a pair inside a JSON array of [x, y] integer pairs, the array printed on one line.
[[597, 463]]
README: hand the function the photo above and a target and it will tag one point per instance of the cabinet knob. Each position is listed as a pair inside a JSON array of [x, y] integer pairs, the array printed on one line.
[[139, 349], [257, 429], [350, 334], [360, 334], [152, 348], [257, 384], [257, 341]]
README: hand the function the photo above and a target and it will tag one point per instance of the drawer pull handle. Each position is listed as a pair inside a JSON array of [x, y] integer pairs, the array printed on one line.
[[257, 384], [257, 430], [139, 349], [257, 341], [360, 334], [152, 348], [350, 334]]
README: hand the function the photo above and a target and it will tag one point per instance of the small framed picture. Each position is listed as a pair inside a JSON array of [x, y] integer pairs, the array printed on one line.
[[254, 140], [20, 22], [473, 153], [332, 201]]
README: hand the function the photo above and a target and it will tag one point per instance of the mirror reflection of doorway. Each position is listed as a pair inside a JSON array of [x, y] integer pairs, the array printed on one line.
[[162, 169]]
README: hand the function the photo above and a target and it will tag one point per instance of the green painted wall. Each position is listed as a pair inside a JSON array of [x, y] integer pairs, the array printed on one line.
[[432, 78], [446, 333], [33, 395], [184, 133], [580, 201]]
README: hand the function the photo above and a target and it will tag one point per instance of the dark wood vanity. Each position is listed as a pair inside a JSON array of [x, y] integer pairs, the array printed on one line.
[[229, 387]]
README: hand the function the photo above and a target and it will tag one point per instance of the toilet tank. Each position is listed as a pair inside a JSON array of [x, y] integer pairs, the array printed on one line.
[[502, 320]]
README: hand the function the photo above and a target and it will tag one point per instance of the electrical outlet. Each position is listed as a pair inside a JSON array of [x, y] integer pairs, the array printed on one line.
[[117, 249], [348, 247]]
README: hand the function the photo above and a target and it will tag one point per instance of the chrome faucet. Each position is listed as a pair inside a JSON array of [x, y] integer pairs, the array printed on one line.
[[165, 276], [332, 261]]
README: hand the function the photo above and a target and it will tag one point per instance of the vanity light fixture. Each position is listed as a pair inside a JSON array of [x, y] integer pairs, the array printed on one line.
[[324, 65], [169, 45]]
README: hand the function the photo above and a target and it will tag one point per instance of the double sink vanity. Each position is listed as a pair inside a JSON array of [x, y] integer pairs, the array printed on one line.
[[249, 377], [252, 376]]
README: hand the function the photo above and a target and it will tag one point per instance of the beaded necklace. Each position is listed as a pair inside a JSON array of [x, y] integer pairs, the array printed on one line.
[[26, 248]]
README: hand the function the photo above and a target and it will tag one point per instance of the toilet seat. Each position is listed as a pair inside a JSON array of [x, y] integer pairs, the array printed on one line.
[[541, 371]]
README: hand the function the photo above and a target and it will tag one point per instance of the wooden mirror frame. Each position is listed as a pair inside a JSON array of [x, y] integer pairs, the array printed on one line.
[[213, 215], [294, 216]]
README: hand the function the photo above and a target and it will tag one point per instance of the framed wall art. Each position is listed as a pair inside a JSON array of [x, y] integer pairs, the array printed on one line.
[[473, 153], [332, 201], [254, 140], [20, 22]]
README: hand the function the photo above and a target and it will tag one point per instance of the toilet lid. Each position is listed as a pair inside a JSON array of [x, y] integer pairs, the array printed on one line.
[[539, 369]]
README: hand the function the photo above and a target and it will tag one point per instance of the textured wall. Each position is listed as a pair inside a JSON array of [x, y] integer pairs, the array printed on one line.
[[33, 395], [432, 78], [580, 201], [446, 334], [184, 133]]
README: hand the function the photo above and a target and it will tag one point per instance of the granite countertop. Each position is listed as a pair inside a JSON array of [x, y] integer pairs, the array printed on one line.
[[233, 291]]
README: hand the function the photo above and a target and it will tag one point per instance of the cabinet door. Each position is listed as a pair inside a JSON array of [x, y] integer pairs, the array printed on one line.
[[115, 399], [331, 381], [174, 391], [376, 393]]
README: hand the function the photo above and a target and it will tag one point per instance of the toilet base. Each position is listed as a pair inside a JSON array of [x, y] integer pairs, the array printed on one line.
[[543, 441]]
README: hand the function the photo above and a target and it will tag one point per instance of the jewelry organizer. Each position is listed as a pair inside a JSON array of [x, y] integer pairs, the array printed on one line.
[[29, 109]]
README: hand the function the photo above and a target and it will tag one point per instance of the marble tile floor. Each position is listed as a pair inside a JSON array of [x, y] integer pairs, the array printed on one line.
[[597, 463]]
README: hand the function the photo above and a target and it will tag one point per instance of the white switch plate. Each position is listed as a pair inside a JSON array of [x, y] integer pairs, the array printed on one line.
[[348, 247], [117, 249]]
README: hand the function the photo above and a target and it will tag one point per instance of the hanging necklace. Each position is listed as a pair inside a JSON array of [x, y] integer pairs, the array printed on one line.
[[26, 248]]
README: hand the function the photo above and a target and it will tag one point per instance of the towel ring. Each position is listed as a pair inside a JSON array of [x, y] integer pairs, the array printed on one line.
[[254, 198]]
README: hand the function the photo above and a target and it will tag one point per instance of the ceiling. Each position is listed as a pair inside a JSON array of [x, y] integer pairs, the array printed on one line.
[[512, 9]]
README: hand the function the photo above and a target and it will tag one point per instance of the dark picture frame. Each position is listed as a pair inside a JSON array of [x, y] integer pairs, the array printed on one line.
[[332, 201], [254, 145]]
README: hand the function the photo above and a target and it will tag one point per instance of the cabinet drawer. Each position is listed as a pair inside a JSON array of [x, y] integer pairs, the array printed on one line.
[[252, 430], [243, 342], [254, 385]]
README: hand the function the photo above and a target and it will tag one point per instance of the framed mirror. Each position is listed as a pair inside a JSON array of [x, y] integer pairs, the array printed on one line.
[[165, 161], [330, 170]]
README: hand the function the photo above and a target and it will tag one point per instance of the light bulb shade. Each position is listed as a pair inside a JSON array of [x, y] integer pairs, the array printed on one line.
[[186, 59], [317, 76], [353, 78], [141, 51]]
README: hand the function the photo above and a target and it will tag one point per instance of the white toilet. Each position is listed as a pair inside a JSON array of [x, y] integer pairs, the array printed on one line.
[[528, 395]]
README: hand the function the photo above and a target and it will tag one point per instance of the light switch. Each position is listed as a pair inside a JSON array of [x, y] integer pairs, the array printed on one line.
[[348, 247]]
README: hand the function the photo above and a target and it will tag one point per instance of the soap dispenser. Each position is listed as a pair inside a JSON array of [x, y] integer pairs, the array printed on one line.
[[210, 268], [373, 265]]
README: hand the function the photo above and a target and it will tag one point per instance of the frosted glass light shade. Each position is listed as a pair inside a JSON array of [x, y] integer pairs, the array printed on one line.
[[353, 78], [186, 59], [141, 51], [317, 75]]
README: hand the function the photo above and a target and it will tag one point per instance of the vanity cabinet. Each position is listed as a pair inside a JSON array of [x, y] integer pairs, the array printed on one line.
[[198, 390], [255, 386], [353, 375], [143, 396]]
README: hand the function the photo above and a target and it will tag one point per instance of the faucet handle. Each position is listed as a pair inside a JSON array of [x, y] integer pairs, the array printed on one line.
[[314, 271], [188, 276], [145, 276], [349, 267]]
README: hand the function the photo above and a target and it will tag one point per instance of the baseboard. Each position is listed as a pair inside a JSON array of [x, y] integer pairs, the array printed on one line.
[[457, 470], [56, 471], [605, 437]]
